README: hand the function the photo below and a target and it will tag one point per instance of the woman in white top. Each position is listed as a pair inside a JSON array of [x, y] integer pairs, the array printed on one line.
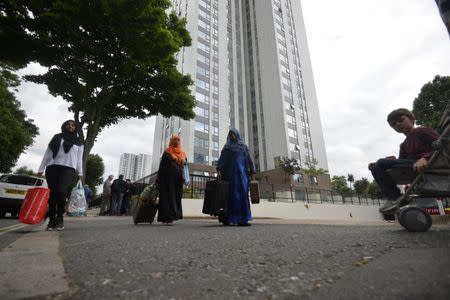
[[62, 161]]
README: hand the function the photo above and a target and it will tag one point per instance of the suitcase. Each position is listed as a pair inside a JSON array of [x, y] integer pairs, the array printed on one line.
[[254, 192], [34, 206], [147, 205], [144, 212], [216, 198]]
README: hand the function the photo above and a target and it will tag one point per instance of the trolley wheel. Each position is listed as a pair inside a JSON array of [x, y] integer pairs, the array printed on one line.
[[414, 219]]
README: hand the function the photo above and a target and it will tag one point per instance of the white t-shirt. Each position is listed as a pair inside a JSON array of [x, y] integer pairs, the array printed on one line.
[[73, 158]]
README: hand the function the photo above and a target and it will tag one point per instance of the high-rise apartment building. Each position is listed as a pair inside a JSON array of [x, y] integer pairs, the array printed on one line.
[[142, 165], [135, 166], [251, 69]]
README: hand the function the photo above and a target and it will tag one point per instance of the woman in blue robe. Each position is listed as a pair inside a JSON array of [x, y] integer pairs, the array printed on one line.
[[236, 167]]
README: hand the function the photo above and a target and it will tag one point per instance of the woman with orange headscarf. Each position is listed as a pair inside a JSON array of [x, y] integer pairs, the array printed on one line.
[[170, 180]]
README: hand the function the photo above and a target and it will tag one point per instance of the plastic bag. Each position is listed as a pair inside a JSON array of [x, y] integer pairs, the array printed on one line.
[[77, 202], [186, 177], [150, 194]]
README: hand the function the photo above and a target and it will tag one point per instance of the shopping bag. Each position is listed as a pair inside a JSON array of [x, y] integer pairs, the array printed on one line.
[[34, 206], [77, 202], [186, 177]]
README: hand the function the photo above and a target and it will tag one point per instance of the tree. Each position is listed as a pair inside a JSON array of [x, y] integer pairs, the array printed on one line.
[[25, 171], [339, 184], [16, 131], [111, 59], [374, 190], [94, 171], [432, 101], [290, 166], [350, 179], [312, 169], [361, 186]]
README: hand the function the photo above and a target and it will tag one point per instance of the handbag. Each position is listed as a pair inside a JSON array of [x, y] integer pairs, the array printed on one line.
[[186, 176], [254, 192]]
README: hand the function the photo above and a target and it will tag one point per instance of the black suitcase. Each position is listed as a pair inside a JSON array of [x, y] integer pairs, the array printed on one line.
[[216, 198], [144, 212], [147, 205]]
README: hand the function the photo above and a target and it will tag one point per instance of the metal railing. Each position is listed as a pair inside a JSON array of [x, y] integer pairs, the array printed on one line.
[[287, 193], [271, 192]]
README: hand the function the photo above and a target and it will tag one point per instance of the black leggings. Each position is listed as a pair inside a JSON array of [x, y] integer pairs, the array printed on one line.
[[59, 179]]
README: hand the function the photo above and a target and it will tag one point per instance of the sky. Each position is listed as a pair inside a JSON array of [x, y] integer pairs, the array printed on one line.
[[368, 57]]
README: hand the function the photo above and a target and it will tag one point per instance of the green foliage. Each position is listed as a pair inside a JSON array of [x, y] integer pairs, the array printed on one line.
[[432, 101], [25, 171], [290, 165], [94, 171], [110, 60], [339, 184], [16, 131], [312, 169], [374, 191], [361, 186]]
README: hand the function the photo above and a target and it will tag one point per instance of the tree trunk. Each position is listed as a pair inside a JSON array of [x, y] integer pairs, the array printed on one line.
[[91, 135]]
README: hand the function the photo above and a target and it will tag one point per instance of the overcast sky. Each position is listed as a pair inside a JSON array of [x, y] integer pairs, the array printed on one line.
[[368, 56]]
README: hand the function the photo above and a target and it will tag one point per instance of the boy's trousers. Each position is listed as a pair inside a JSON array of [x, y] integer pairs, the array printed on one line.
[[387, 184]]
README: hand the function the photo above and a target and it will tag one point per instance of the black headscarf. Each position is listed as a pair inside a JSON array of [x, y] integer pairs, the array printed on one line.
[[70, 139]]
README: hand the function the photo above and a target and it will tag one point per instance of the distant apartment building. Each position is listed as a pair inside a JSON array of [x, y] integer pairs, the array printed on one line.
[[135, 166], [250, 64]]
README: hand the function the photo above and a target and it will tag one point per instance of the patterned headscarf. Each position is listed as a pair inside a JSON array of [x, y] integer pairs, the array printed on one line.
[[175, 150]]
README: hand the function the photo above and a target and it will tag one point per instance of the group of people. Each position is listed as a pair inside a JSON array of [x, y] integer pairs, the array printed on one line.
[[62, 163], [116, 197]]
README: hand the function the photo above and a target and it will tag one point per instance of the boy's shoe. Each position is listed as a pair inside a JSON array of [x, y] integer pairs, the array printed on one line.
[[387, 206], [51, 225], [391, 205], [59, 223]]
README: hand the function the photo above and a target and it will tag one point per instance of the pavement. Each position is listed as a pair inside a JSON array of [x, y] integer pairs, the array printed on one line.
[[106, 257]]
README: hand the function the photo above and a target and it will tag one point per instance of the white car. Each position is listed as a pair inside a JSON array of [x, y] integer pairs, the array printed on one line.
[[13, 188]]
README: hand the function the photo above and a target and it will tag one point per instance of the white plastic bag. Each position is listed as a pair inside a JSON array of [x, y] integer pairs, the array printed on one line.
[[186, 176], [77, 202]]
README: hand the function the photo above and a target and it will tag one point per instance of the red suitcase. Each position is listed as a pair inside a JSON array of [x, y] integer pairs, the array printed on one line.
[[34, 206]]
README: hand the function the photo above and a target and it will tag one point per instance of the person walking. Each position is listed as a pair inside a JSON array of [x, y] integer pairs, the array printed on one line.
[[105, 207], [170, 181], [118, 188], [62, 162], [236, 167]]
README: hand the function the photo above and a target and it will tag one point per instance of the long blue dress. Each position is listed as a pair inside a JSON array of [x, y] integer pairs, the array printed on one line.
[[236, 166]]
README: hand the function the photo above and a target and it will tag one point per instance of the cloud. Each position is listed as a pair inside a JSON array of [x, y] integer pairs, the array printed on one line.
[[370, 57], [48, 113]]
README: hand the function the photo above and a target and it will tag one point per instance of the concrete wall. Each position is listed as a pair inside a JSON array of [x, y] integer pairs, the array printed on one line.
[[298, 211]]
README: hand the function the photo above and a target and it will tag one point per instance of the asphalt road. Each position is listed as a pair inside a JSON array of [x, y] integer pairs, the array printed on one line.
[[10, 230], [110, 258]]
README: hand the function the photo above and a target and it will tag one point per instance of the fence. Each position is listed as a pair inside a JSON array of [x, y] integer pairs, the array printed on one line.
[[271, 192]]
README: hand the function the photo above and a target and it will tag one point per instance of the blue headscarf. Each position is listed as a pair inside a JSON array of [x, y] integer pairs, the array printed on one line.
[[238, 146]]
